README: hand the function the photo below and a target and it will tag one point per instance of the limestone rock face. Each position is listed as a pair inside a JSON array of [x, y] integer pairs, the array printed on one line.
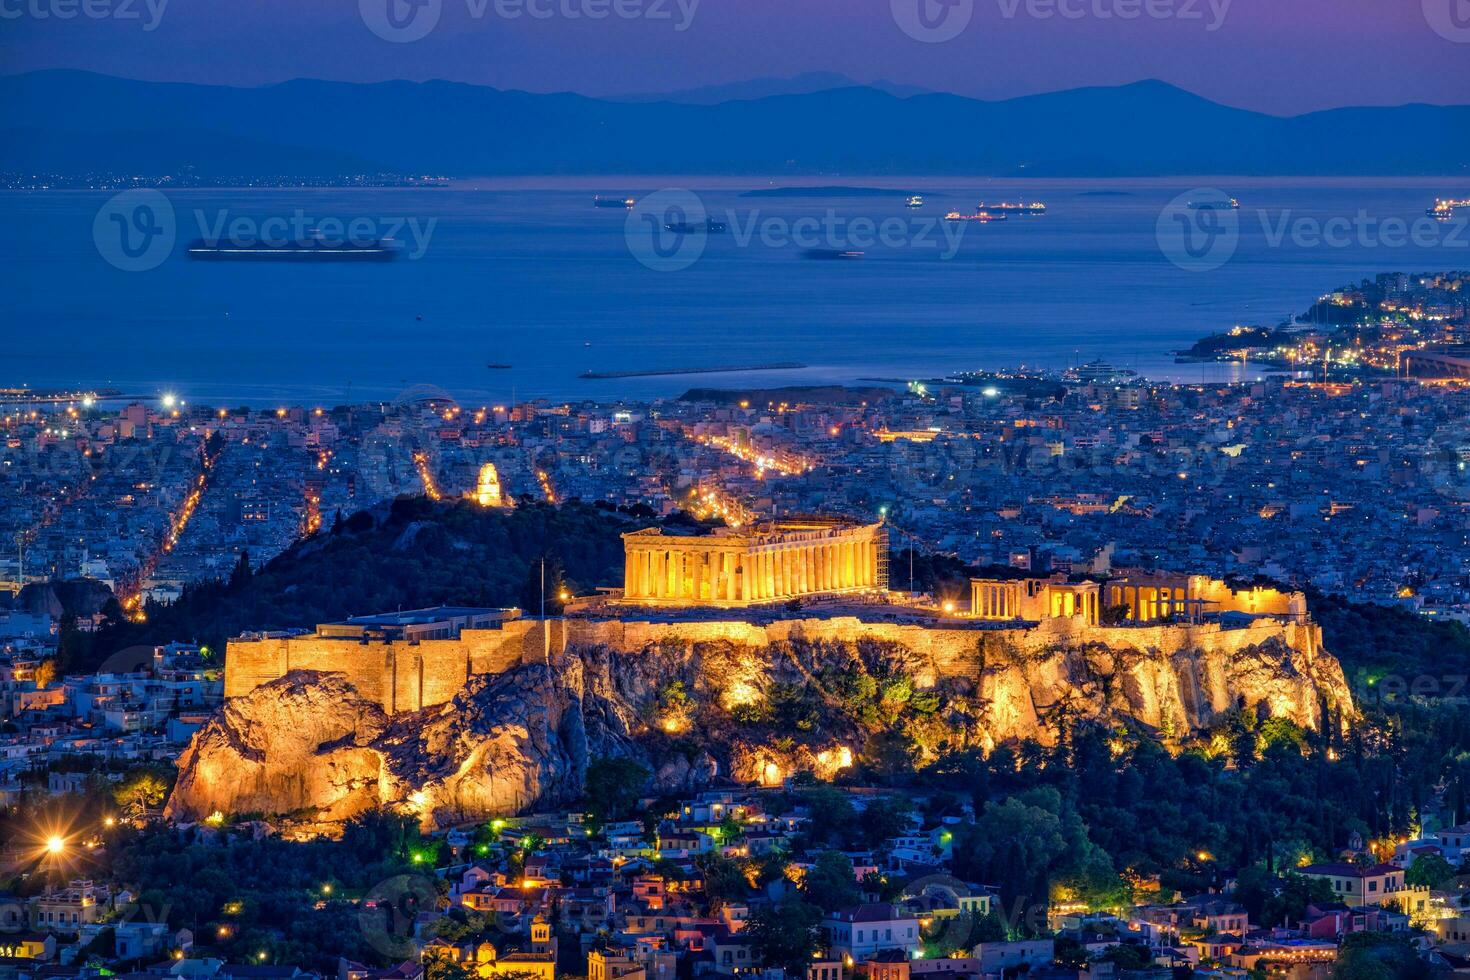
[[1175, 687], [309, 744], [302, 742]]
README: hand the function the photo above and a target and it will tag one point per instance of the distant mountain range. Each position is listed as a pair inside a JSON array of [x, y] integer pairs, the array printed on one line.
[[70, 122], [764, 88]]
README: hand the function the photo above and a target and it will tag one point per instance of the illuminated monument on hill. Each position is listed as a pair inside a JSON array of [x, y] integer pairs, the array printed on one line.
[[766, 563]]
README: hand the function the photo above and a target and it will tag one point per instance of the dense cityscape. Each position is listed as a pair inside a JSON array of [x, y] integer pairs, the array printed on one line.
[[667, 490], [890, 838]]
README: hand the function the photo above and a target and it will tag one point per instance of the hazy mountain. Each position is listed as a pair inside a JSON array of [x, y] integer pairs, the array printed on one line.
[[764, 88], [69, 122]]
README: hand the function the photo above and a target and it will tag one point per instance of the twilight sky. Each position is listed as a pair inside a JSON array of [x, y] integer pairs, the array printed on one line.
[[1280, 56]]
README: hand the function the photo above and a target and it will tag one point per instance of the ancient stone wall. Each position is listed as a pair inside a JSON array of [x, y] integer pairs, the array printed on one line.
[[402, 676]]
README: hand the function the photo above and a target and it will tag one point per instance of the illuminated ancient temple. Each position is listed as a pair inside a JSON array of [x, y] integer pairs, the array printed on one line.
[[765, 563]]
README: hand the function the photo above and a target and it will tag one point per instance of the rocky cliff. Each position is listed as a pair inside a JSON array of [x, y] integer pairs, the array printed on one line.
[[312, 745]]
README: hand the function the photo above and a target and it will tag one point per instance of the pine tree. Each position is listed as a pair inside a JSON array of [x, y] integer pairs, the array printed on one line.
[[241, 575]]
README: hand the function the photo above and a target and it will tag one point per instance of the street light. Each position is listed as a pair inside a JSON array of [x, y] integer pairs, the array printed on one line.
[[55, 844]]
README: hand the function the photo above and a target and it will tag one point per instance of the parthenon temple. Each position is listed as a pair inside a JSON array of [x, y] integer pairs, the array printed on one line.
[[767, 563]]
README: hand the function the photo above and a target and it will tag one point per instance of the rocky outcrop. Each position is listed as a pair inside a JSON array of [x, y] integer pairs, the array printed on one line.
[[310, 744], [304, 742]]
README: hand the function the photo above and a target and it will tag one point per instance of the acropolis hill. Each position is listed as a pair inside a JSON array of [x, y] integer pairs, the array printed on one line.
[[459, 713]]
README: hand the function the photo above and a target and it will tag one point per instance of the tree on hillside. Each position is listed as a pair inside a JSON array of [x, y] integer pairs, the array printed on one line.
[[831, 882], [786, 935], [1429, 871], [140, 791], [612, 787]]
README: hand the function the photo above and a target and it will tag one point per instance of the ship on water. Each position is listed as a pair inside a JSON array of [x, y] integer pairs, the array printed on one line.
[[1034, 208], [708, 226], [1215, 204], [914, 201], [1099, 372], [1444, 210], [313, 248], [613, 202], [982, 216]]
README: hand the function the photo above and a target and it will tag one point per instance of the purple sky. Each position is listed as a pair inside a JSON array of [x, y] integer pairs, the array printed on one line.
[[1282, 56]]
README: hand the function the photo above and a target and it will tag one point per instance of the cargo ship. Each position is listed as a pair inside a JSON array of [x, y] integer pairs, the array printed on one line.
[[832, 253], [1099, 372], [313, 249], [984, 217], [1020, 207], [613, 202], [1215, 204], [1445, 210], [708, 226]]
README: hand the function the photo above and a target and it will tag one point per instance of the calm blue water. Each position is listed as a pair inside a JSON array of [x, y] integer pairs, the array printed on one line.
[[530, 274]]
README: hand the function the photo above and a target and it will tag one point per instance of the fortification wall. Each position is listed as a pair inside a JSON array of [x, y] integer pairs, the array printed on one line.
[[400, 676], [403, 676]]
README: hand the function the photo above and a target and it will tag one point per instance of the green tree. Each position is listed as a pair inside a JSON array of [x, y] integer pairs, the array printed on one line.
[[1429, 871], [831, 884], [439, 966], [724, 879], [612, 787], [140, 791], [885, 817], [1378, 956], [786, 935]]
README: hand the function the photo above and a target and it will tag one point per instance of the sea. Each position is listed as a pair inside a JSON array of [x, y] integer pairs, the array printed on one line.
[[512, 289]]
